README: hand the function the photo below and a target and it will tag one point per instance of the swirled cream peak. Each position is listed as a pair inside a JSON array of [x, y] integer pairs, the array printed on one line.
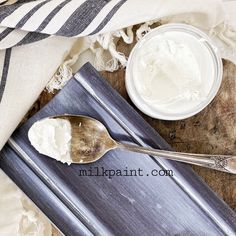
[[167, 71], [52, 137]]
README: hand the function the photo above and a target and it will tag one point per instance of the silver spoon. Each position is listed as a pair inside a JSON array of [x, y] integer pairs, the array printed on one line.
[[91, 140]]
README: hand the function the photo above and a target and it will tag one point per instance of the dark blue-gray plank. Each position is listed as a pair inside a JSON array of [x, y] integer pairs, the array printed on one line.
[[146, 205]]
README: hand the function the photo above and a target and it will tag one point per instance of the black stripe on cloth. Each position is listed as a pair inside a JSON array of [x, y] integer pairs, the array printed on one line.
[[30, 13], [32, 37], [5, 33], [5, 71], [2, 3], [7, 10], [109, 16], [81, 18], [51, 15]]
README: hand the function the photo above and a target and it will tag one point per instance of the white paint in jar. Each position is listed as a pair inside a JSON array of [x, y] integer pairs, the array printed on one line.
[[173, 72]]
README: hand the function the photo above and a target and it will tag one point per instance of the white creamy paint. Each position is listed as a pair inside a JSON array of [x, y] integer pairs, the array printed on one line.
[[167, 71], [169, 74], [52, 137], [173, 72]]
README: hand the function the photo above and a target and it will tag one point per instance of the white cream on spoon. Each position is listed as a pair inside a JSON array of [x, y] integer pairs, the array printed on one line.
[[52, 137]]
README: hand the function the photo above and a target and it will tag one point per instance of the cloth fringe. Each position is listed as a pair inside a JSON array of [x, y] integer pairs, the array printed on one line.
[[62, 76], [108, 58]]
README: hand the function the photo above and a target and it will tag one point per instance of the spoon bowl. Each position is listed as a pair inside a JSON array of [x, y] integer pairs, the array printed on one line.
[[90, 139]]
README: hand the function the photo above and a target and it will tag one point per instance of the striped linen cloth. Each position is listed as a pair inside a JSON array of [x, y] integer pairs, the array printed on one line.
[[36, 36]]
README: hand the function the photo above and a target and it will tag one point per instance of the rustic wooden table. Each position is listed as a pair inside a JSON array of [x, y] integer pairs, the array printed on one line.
[[211, 131]]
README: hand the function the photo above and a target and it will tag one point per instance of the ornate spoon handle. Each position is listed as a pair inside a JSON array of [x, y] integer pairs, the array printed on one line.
[[226, 163]]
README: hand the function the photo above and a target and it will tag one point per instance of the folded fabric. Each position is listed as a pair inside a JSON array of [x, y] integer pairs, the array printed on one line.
[[39, 37]]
